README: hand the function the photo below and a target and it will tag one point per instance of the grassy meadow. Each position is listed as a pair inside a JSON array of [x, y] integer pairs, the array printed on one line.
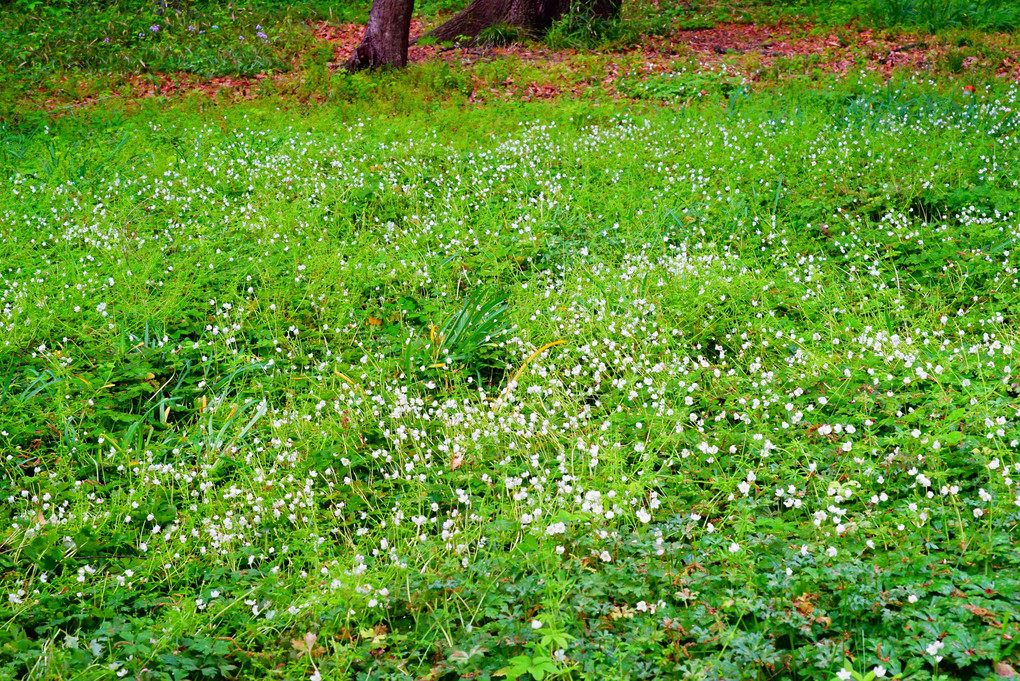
[[690, 377]]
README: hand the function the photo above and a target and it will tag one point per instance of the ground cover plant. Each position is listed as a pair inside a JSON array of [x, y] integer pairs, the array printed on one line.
[[721, 391], [690, 359]]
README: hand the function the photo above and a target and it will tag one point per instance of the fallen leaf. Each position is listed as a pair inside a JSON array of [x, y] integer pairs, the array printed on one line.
[[1003, 669], [305, 644], [985, 614]]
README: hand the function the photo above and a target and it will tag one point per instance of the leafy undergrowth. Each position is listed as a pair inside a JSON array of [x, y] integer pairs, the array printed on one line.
[[715, 392]]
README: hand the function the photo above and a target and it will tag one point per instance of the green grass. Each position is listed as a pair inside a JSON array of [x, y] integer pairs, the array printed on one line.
[[406, 388], [934, 16]]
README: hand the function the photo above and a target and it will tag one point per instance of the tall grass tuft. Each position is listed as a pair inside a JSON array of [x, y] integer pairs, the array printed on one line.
[[939, 15]]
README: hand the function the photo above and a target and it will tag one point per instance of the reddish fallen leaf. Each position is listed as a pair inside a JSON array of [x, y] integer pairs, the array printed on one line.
[[306, 644], [985, 614], [1005, 670]]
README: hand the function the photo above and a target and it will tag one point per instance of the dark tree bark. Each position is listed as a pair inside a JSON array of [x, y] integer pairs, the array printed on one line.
[[386, 36], [533, 16]]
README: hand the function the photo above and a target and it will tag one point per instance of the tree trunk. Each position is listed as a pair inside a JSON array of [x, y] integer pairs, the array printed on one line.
[[533, 16], [386, 36]]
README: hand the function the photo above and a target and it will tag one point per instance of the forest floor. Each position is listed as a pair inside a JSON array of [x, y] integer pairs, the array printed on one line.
[[786, 47]]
